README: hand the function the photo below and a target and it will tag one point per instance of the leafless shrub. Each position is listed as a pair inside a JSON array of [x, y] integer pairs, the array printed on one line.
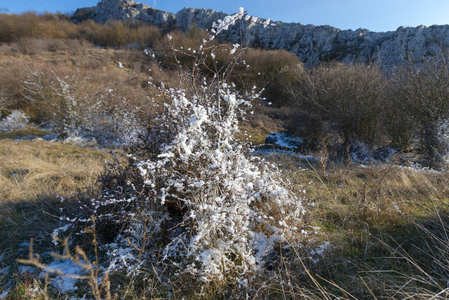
[[270, 69], [423, 96], [80, 104], [343, 99]]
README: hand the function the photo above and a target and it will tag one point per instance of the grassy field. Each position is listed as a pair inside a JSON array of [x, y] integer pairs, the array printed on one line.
[[384, 227], [35, 170], [371, 231], [34, 175]]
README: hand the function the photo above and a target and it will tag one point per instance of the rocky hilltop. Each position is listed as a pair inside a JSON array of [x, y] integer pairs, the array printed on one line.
[[310, 43]]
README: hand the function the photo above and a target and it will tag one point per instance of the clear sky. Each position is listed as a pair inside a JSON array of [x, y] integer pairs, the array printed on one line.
[[375, 15]]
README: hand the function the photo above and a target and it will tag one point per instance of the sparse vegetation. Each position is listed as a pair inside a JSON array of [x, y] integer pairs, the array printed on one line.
[[336, 103], [34, 175], [339, 100], [55, 28], [187, 213]]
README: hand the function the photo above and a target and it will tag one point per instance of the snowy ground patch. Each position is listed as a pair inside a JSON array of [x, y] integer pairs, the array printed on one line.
[[15, 121], [318, 253], [4, 290], [284, 140], [80, 141], [64, 283], [5, 293], [267, 152], [361, 153], [286, 144]]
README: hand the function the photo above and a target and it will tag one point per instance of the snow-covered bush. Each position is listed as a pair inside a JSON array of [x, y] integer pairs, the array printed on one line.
[[79, 108], [195, 201], [15, 121], [203, 205], [443, 139], [192, 201]]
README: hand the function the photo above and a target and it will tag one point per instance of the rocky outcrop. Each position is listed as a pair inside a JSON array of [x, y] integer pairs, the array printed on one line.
[[311, 44], [83, 14], [129, 10], [324, 43], [203, 18]]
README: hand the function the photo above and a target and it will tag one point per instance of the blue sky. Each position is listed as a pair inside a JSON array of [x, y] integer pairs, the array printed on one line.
[[375, 15]]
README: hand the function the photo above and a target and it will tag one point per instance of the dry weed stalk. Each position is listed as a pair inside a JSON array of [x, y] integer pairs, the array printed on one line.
[[81, 259]]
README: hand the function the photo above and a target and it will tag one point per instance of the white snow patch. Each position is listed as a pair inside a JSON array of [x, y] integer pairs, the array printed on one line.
[[26, 269], [59, 231], [80, 141], [262, 244], [4, 271], [284, 140], [15, 121], [319, 251], [5, 293], [64, 283], [267, 152]]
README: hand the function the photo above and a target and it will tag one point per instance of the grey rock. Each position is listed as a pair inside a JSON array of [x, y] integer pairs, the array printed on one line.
[[203, 18], [129, 10], [83, 14], [312, 44]]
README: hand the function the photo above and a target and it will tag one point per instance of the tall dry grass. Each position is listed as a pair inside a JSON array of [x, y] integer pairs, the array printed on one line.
[[58, 26], [33, 170], [33, 177], [386, 226], [87, 70]]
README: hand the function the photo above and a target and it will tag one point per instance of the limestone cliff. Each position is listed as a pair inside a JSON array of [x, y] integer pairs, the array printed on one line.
[[311, 43], [126, 10]]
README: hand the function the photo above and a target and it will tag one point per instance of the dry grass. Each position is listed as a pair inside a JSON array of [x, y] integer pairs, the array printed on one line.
[[32, 170], [51, 26], [33, 176], [387, 228], [87, 69], [386, 225], [261, 124]]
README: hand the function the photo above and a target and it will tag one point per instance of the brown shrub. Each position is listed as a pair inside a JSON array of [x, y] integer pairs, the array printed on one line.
[[186, 45], [423, 102], [32, 25], [344, 99], [268, 69], [89, 73], [11, 79], [52, 26], [119, 33]]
